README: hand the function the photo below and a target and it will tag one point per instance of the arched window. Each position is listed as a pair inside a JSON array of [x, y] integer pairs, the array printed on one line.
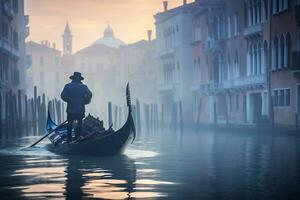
[[298, 41], [264, 59], [282, 54], [286, 4], [259, 4], [281, 4], [275, 54], [248, 59], [287, 50], [265, 7], [274, 6], [236, 65], [254, 66], [229, 70], [236, 24], [259, 57]]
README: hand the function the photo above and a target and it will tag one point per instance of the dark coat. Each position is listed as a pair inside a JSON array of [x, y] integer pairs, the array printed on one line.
[[77, 95]]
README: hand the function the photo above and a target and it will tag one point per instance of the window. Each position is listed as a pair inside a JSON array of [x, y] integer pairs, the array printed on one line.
[[15, 6], [237, 102], [275, 54], [229, 27], [282, 53], [281, 97], [230, 103], [197, 32], [236, 24], [5, 29], [15, 39], [41, 61], [287, 50]]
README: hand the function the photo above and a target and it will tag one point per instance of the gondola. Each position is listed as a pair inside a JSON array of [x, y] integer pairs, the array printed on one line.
[[95, 141]]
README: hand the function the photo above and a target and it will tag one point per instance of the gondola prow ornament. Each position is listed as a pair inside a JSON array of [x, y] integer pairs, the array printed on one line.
[[77, 95]]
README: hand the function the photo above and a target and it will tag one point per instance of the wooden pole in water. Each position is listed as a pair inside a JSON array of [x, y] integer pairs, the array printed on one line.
[[198, 116], [138, 116], [63, 111], [116, 116], [35, 109], [20, 113], [109, 114], [162, 117], [26, 115], [215, 114], [180, 116]]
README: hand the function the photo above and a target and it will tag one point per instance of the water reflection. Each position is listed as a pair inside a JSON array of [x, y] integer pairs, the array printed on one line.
[[100, 178], [204, 165]]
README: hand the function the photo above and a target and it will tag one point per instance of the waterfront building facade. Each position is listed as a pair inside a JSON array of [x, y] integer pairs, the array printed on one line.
[[46, 69], [174, 60], [13, 60]]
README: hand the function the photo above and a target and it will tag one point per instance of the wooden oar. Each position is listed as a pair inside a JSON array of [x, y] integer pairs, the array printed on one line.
[[48, 134]]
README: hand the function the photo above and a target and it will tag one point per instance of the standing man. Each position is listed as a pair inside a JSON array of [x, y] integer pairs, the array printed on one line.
[[77, 95]]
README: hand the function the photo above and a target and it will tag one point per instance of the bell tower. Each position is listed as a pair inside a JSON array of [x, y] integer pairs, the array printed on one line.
[[67, 41]]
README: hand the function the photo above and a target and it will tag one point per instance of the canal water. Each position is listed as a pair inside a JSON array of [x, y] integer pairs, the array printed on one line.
[[165, 165]]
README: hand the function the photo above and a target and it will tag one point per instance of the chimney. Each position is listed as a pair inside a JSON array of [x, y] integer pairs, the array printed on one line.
[[54, 46], [149, 35], [165, 5], [184, 2]]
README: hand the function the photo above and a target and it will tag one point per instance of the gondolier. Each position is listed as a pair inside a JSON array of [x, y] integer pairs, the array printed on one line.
[[77, 95]]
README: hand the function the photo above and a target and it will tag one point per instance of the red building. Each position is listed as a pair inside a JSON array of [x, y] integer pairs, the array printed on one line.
[[285, 77]]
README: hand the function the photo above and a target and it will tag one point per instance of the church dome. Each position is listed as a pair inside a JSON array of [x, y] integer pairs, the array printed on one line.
[[109, 39]]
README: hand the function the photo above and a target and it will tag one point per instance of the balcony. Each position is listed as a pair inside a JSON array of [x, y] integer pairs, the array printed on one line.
[[8, 9], [212, 45], [167, 52], [253, 30], [199, 87], [6, 46], [245, 81], [26, 20], [295, 61]]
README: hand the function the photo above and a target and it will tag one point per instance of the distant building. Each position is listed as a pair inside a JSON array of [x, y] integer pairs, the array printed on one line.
[[174, 55], [138, 67], [67, 41], [108, 64], [46, 69]]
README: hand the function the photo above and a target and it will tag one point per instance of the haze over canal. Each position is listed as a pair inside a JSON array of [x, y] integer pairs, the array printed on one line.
[[203, 165]]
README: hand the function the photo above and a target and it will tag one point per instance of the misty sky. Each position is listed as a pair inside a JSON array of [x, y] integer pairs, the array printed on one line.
[[130, 19]]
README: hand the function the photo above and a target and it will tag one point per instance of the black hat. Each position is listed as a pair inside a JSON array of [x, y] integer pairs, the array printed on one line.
[[76, 76]]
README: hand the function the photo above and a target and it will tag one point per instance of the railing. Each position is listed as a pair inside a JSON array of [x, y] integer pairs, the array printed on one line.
[[253, 30], [8, 47], [166, 52], [213, 45], [245, 81]]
